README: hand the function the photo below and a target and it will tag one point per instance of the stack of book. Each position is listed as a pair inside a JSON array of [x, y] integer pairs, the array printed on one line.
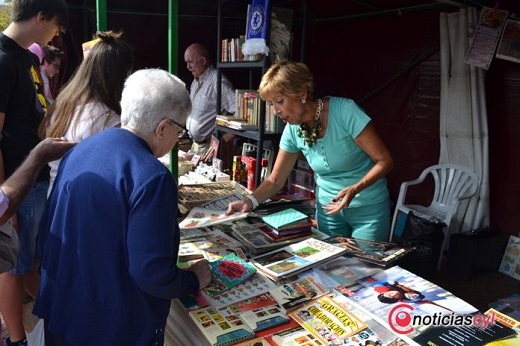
[[258, 237], [288, 221]]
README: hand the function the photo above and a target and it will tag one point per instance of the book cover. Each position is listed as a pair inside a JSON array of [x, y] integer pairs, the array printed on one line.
[[221, 327], [292, 259], [264, 317], [377, 252], [284, 218], [202, 217], [228, 272], [510, 264], [396, 288], [292, 294], [256, 285], [327, 320]]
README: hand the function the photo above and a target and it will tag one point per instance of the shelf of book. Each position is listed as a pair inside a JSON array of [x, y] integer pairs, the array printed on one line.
[[261, 65]]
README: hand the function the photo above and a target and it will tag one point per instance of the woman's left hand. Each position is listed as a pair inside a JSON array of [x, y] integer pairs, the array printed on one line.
[[341, 201]]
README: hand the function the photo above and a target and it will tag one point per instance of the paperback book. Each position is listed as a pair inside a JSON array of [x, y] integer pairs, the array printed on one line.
[[292, 294], [221, 327], [295, 258], [328, 321], [228, 272], [377, 252]]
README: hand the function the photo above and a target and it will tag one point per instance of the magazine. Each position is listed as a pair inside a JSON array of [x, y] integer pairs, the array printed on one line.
[[380, 294], [293, 294], [293, 259], [376, 332], [377, 252], [202, 217], [328, 321]]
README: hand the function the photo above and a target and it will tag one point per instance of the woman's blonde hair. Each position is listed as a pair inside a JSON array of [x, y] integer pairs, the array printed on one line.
[[289, 78]]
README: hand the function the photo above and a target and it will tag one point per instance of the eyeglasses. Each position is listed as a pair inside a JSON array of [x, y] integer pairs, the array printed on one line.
[[183, 128]]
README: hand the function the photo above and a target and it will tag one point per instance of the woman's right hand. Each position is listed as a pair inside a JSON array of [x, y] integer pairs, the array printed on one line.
[[243, 205]]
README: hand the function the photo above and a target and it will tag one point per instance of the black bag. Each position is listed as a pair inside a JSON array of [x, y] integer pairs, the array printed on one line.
[[476, 251], [426, 237], [8, 246]]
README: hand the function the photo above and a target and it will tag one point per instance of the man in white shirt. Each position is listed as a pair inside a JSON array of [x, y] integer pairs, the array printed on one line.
[[203, 95]]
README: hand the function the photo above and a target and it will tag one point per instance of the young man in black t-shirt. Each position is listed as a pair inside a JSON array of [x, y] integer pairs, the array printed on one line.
[[22, 106]]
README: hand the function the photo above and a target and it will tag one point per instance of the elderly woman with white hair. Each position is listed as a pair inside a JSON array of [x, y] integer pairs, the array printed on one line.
[[109, 232]]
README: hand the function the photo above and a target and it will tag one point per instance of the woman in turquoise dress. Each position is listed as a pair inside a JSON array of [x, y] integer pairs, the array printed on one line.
[[341, 145]]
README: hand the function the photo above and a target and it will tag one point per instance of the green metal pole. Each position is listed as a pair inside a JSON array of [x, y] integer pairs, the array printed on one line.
[[173, 54], [101, 15]]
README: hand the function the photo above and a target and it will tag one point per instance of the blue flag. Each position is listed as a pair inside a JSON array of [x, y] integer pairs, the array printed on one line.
[[258, 21]]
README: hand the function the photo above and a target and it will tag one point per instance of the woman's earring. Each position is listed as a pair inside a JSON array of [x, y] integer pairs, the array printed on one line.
[[303, 100]]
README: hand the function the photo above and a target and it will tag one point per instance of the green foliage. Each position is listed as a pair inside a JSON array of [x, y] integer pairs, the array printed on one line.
[[5, 16]]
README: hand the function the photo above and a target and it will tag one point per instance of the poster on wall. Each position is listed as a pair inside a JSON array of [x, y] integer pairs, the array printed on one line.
[[486, 37], [509, 48]]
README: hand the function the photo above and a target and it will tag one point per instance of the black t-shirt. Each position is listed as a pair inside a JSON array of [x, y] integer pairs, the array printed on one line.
[[23, 101]]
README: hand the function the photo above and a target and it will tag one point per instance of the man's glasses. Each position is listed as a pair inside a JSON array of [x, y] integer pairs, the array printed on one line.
[[183, 128]]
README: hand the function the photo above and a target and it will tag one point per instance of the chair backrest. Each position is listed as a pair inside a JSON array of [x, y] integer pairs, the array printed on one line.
[[452, 184]]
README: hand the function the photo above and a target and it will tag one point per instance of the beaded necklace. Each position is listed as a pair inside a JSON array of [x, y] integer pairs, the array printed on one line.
[[311, 136]]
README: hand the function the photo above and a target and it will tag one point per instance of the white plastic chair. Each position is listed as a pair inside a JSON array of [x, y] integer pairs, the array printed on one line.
[[453, 183]]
